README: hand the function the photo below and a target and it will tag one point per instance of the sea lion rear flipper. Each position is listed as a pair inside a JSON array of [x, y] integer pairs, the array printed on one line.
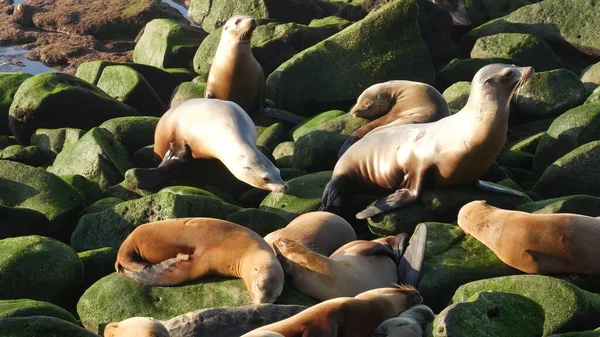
[[411, 263], [485, 186], [167, 273], [173, 159], [395, 200]]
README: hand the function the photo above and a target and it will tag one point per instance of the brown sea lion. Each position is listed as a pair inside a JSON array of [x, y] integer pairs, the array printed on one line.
[[453, 151], [394, 103], [535, 243], [177, 251], [211, 128], [347, 316], [321, 232]]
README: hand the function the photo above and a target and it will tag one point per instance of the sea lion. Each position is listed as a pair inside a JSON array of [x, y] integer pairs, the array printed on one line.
[[211, 128], [136, 327], [321, 232], [410, 323], [347, 316], [396, 102], [177, 251], [455, 150], [535, 243]]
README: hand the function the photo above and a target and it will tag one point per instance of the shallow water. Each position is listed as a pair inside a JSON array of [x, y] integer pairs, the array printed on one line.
[[10, 53], [175, 5]]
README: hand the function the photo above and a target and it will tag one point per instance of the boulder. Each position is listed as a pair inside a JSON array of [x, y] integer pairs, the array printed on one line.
[[53, 141], [592, 333], [132, 132], [283, 154], [594, 97], [185, 91], [272, 136], [481, 11], [9, 84], [591, 77], [18, 221], [261, 221], [333, 22], [41, 326], [28, 155], [314, 123], [464, 70], [28, 308], [89, 190], [97, 263], [6, 141], [576, 204], [457, 95], [516, 159]]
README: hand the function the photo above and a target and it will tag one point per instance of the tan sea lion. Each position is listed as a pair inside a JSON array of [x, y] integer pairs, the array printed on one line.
[[410, 323], [455, 150], [136, 327], [535, 243], [321, 232], [177, 251], [394, 103], [347, 316], [211, 128]]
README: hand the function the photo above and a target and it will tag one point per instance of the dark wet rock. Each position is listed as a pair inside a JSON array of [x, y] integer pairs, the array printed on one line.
[[53, 141], [185, 91], [9, 83], [261, 221], [516, 159], [41, 326], [591, 333], [594, 97], [22, 221], [435, 26], [6, 141], [576, 204], [481, 11], [28, 308], [464, 70], [132, 132], [28, 155]]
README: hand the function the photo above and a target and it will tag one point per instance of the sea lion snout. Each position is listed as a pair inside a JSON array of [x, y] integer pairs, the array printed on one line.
[[278, 188]]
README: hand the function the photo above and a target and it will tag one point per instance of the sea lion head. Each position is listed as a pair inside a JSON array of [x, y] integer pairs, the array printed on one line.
[[257, 170], [456, 9], [373, 102], [267, 281], [473, 215], [500, 80], [136, 327], [400, 297], [240, 26]]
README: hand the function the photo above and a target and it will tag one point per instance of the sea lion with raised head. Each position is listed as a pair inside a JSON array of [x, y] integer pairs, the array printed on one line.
[[321, 232], [211, 128], [452, 151], [346, 316], [394, 103], [177, 251], [535, 243], [410, 323]]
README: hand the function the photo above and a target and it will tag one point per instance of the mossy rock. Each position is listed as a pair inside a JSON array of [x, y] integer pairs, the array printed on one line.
[[22, 221], [518, 159], [315, 122], [527, 48], [128, 86], [97, 263], [188, 190], [32, 188], [96, 156], [574, 173], [457, 95], [28, 308], [89, 190], [28, 155], [591, 333], [303, 195], [54, 100], [565, 306], [594, 97], [528, 144], [110, 227], [576, 204], [261, 221], [9, 84], [101, 205], [548, 94], [39, 268], [332, 22], [186, 91], [480, 11], [272, 136], [132, 132], [591, 77], [283, 154], [6, 141], [98, 307], [464, 70], [41, 326], [167, 43], [452, 259], [53, 141], [335, 71], [526, 130], [144, 157], [121, 192], [570, 130]]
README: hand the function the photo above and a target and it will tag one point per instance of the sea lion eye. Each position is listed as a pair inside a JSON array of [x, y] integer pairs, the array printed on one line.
[[237, 21], [266, 179]]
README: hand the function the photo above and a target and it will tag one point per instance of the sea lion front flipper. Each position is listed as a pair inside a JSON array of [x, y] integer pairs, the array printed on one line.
[[411, 263], [485, 186], [167, 273], [397, 199]]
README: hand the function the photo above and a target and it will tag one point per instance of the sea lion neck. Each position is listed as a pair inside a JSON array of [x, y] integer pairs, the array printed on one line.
[[486, 106]]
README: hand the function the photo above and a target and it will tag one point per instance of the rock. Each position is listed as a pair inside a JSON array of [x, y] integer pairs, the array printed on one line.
[[110, 227], [452, 259], [528, 144], [303, 195], [457, 95], [565, 307], [573, 173], [481, 11], [121, 192], [53, 141], [39, 268], [132, 132], [593, 333], [577, 204], [187, 90], [128, 86], [334, 72], [187, 190], [283, 154], [6, 141], [526, 130], [570, 130], [272, 136], [528, 49], [96, 156], [464, 70], [314, 123], [22, 221], [591, 77], [570, 25], [28, 155], [516, 159], [28, 187], [41, 326], [28, 308], [144, 157], [261, 221], [89, 190], [594, 97], [97, 263], [54, 100], [101, 205], [97, 306], [436, 26], [167, 43], [335, 23], [9, 83], [548, 94]]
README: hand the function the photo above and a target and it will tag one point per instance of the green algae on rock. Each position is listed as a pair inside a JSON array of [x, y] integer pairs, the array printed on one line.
[[97, 263], [457, 95], [594, 97], [39, 268], [89, 190], [464, 70], [96, 156], [186, 91], [591, 333], [28, 308], [132, 132], [591, 77], [35, 326], [480, 11], [335, 71], [283, 154], [314, 123], [9, 84], [28, 155], [332, 22], [576, 204], [272, 136], [261, 221], [53, 141]]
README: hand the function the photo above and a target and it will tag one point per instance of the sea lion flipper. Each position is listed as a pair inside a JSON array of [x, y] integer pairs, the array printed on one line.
[[167, 273], [395, 200], [269, 112], [485, 186], [411, 263]]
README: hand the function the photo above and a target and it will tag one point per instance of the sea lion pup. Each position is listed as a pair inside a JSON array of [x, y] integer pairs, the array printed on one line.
[[410, 323], [347, 316], [453, 151], [177, 251], [535, 243], [321, 232], [136, 327], [211, 128], [396, 102]]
